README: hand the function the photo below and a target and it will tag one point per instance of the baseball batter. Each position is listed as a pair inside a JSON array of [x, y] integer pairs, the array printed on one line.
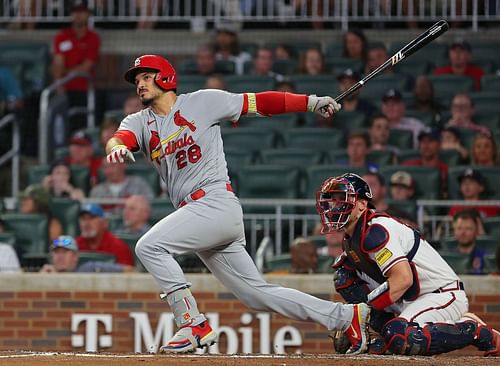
[[389, 265], [180, 136]]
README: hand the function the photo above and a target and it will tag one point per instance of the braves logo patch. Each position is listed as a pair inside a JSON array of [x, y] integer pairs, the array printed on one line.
[[383, 256]]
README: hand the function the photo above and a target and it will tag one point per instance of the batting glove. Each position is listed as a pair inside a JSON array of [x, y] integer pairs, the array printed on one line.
[[324, 106], [119, 154]]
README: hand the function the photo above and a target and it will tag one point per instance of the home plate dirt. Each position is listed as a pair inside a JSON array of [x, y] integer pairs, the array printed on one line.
[[85, 359]]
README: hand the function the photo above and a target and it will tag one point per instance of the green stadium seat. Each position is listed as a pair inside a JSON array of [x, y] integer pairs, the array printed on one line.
[[8, 238], [319, 139], [432, 52], [337, 156], [80, 176], [268, 181], [491, 263], [337, 65], [486, 102], [425, 117], [490, 174], [88, 256], [190, 83], [324, 264], [250, 47], [67, 212], [131, 240], [225, 67], [349, 121], [408, 154], [236, 158], [407, 206], [488, 243], [316, 84], [316, 175], [458, 262], [446, 86], [280, 263], [187, 67], [284, 67], [403, 139], [61, 152], [146, 172], [249, 83], [489, 120], [467, 136], [116, 114], [427, 180], [292, 157], [36, 174], [490, 83], [249, 139], [160, 208], [115, 222], [451, 157], [318, 240], [412, 67], [334, 50], [492, 226], [31, 232], [381, 157], [379, 85], [278, 123]]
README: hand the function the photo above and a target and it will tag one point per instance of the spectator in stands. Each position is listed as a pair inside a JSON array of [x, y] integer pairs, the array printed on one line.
[[96, 237], [355, 45], [136, 215], [118, 185], [132, 104], [106, 130], [81, 153], [76, 49], [64, 257], [465, 232], [58, 183], [215, 81], [402, 186], [11, 96], [472, 186], [378, 132], [9, 261], [206, 64], [353, 102], [451, 140], [283, 52], [484, 150], [304, 257], [376, 57], [379, 191], [460, 56], [358, 145], [462, 110], [425, 101], [394, 108], [227, 47], [312, 62], [285, 86], [263, 63], [429, 143], [35, 200]]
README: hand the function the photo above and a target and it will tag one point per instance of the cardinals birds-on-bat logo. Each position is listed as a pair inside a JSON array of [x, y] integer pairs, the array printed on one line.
[[181, 121]]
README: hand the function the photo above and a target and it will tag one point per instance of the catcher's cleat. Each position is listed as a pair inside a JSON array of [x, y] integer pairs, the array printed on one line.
[[495, 351], [358, 330], [190, 337]]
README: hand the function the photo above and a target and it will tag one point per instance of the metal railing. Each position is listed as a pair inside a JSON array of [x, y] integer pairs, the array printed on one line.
[[342, 12], [14, 152], [44, 122]]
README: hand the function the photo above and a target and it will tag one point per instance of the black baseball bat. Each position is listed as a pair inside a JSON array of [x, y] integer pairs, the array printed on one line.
[[409, 49]]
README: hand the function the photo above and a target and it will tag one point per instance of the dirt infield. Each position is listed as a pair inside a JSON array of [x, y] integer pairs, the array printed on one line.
[[85, 359]]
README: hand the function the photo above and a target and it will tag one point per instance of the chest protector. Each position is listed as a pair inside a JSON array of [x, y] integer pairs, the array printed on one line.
[[370, 238]]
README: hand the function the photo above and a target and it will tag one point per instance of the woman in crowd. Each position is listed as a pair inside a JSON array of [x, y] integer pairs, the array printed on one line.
[[58, 182], [484, 150]]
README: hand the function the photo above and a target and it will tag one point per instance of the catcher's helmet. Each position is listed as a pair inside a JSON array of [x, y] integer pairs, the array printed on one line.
[[337, 197], [166, 78]]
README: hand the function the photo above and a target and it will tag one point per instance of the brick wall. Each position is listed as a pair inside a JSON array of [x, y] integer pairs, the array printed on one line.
[[36, 310]]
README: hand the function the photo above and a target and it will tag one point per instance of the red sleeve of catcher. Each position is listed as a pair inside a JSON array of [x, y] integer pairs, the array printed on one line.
[[128, 138], [272, 103]]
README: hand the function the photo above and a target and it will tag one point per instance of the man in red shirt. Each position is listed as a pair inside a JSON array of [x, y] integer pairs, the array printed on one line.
[[429, 144], [96, 237], [460, 56]]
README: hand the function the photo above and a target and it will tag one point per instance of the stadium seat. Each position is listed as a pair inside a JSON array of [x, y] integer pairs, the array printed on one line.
[[412, 67], [492, 226], [80, 176], [249, 83], [403, 139], [408, 154], [377, 86], [36, 173], [237, 158], [486, 102], [8, 238], [337, 156], [316, 84], [490, 83], [427, 180], [337, 65], [490, 174], [278, 123], [450, 157], [381, 157], [407, 206], [146, 172], [491, 263], [249, 139], [160, 208], [334, 50], [425, 117], [190, 83], [31, 232], [293, 157], [435, 52], [61, 152], [319, 139], [284, 67], [458, 262], [250, 47], [318, 240], [280, 262], [268, 181], [187, 67], [115, 222], [446, 86], [489, 120], [349, 121], [488, 243], [88, 256], [67, 212]]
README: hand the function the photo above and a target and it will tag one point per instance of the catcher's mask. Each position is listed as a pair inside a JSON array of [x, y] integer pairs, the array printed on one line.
[[337, 197]]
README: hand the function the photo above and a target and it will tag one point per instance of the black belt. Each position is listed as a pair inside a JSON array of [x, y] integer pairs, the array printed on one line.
[[455, 286]]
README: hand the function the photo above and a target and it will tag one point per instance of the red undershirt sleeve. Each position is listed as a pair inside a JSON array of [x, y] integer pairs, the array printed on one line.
[[128, 138], [272, 103]]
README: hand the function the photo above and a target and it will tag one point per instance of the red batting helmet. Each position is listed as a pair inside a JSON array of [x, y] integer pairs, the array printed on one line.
[[166, 78]]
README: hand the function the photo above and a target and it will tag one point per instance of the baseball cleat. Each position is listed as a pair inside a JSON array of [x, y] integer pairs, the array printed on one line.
[[190, 337], [495, 351], [486, 334], [358, 330]]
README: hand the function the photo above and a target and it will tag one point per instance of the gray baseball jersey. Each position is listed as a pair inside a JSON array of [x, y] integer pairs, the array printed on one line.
[[185, 147]]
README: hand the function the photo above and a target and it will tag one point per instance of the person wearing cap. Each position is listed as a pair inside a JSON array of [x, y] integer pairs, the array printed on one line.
[[472, 186], [76, 49], [462, 110], [429, 144], [394, 108], [227, 47], [460, 56], [96, 237], [402, 186], [34, 199], [81, 153], [353, 102], [65, 257]]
